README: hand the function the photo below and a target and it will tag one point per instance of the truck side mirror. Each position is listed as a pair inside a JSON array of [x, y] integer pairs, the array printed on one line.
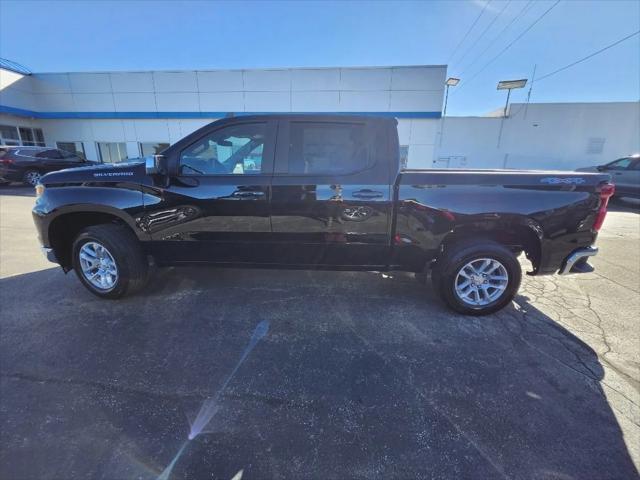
[[155, 165]]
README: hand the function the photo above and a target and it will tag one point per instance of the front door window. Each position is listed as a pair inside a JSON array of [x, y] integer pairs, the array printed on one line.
[[234, 150]]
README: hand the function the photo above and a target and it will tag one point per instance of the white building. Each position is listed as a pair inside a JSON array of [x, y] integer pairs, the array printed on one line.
[[111, 116], [560, 136], [114, 115]]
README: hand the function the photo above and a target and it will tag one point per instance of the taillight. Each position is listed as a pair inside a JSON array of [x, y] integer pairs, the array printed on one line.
[[606, 192], [6, 161]]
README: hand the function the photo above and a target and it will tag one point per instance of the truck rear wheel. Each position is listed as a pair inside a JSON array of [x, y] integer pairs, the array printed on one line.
[[109, 261], [477, 277]]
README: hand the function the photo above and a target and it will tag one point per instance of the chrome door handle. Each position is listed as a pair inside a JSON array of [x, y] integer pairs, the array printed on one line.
[[247, 194]]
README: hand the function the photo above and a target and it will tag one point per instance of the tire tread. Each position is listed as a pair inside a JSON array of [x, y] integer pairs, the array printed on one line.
[[445, 268], [124, 245]]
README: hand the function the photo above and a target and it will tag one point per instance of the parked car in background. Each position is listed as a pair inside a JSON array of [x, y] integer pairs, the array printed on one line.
[[29, 164], [625, 174]]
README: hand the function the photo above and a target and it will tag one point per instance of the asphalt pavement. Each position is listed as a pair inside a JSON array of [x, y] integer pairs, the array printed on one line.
[[360, 375]]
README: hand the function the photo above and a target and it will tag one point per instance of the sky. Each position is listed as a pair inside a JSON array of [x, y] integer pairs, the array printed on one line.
[[468, 35]]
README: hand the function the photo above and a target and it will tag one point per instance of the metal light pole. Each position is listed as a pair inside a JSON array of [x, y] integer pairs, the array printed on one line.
[[451, 82], [508, 85]]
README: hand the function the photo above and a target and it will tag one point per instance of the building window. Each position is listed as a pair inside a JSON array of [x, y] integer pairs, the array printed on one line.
[[404, 156], [595, 145], [77, 148], [32, 137], [112, 152], [39, 136], [152, 148], [9, 135]]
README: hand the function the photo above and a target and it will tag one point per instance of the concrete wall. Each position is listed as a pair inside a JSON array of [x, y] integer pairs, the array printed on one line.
[[393, 89], [16, 90], [131, 132], [547, 136], [19, 121], [418, 134], [135, 107]]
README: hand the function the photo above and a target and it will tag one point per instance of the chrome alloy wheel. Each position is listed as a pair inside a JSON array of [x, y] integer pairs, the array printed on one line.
[[98, 266], [33, 178], [481, 282]]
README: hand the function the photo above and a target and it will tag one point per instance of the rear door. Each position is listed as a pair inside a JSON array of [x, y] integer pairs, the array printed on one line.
[[331, 197]]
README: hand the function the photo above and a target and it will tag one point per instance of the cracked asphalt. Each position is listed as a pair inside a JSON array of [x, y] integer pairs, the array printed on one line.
[[361, 375]]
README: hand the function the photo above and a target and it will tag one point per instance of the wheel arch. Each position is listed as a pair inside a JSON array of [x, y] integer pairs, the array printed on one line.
[[68, 223], [517, 234]]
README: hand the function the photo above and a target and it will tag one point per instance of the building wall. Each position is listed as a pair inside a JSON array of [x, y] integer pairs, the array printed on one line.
[[19, 121], [393, 89], [561, 136], [15, 90], [136, 107]]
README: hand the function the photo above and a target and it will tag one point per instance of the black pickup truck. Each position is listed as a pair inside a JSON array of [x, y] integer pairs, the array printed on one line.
[[317, 191]]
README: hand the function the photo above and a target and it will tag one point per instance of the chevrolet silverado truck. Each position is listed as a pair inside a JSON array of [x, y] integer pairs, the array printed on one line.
[[317, 192]]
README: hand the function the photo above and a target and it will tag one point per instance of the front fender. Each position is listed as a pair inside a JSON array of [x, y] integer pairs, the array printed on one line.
[[123, 202]]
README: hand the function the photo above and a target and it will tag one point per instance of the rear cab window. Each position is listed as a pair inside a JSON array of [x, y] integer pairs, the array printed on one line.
[[327, 148]]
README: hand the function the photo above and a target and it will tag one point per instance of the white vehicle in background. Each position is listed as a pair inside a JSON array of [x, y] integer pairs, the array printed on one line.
[[625, 174]]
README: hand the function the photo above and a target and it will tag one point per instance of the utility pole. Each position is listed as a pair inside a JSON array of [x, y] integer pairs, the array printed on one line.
[[533, 79], [451, 82]]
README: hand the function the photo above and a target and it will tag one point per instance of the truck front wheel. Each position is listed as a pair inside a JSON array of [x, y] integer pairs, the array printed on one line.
[[109, 261], [477, 277]]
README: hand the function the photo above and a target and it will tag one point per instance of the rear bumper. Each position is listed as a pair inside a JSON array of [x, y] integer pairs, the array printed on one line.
[[576, 262]]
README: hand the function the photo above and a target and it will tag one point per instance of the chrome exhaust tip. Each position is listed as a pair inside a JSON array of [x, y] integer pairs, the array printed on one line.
[[576, 257]]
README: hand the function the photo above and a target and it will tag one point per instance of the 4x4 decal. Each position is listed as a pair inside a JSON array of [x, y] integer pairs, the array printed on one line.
[[557, 181]]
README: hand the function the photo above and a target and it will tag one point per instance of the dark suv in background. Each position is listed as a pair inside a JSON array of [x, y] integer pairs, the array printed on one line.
[[28, 164]]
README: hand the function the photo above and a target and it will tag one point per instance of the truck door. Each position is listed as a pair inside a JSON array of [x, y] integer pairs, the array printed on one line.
[[331, 194], [216, 207]]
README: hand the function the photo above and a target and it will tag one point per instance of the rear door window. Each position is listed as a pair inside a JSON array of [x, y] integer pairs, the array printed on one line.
[[49, 154], [328, 148], [68, 156]]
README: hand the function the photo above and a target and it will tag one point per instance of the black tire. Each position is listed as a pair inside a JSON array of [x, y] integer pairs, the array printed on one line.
[[30, 176], [125, 248], [447, 267]]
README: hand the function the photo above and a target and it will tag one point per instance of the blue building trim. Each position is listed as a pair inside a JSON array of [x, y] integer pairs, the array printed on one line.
[[178, 115]]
